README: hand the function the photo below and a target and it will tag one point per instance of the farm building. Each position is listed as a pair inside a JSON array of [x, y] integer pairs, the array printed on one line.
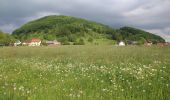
[[53, 43], [1, 45], [148, 43], [32, 42], [17, 43], [163, 44], [121, 43], [132, 42]]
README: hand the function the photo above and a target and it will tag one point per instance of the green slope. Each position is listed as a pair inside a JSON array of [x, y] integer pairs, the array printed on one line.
[[64, 28], [76, 30], [129, 33]]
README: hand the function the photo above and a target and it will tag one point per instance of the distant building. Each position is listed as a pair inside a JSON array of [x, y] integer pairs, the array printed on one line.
[[121, 43], [53, 43], [17, 43], [32, 42], [148, 43], [25, 43], [132, 42], [163, 44], [1, 45]]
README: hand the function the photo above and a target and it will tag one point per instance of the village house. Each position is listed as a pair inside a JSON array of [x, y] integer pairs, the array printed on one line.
[[132, 42], [32, 42], [1, 45], [53, 43], [17, 43], [148, 43], [121, 43], [163, 44]]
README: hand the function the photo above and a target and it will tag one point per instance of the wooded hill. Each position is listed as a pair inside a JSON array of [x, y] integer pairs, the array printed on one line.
[[68, 29]]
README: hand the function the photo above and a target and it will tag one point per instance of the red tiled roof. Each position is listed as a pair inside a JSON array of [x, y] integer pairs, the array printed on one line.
[[35, 40], [27, 41]]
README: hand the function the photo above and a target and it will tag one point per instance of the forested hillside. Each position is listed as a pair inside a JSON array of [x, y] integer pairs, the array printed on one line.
[[129, 33], [68, 29]]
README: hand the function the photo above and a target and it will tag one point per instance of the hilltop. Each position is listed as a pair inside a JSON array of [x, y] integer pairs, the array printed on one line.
[[74, 30]]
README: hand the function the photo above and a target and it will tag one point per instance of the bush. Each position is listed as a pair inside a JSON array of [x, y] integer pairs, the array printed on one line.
[[6, 39], [65, 43], [80, 42], [90, 40], [72, 38]]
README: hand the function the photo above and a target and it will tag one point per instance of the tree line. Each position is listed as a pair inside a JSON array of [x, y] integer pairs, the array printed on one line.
[[6, 39]]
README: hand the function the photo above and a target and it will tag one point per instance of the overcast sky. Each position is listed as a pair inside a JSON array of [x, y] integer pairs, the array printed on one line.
[[150, 15]]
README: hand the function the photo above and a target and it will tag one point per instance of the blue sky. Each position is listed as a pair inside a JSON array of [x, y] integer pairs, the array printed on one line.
[[150, 15]]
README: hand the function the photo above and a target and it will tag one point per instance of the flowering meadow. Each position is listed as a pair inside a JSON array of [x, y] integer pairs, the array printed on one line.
[[85, 73]]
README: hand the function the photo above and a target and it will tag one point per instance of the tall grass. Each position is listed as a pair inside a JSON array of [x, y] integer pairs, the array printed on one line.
[[85, 73]]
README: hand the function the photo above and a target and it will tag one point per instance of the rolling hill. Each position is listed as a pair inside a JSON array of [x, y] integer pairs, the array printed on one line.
[[74, 30], [129, 33]]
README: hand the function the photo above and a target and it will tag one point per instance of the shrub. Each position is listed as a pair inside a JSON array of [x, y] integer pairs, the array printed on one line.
[[90, 40], [80, 42]]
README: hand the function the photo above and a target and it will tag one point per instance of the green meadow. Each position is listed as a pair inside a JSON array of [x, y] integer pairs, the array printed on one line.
[[85, 73]]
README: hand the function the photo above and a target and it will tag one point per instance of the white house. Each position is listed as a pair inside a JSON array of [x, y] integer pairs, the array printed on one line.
[[53, 43], [121, 43], [32, 42], [148, 43], [17, 43]]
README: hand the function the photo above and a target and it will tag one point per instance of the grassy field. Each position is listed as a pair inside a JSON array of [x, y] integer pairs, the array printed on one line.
[[85, 73]]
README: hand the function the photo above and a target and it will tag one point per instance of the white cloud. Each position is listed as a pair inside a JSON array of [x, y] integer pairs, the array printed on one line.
[[8, 27]]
